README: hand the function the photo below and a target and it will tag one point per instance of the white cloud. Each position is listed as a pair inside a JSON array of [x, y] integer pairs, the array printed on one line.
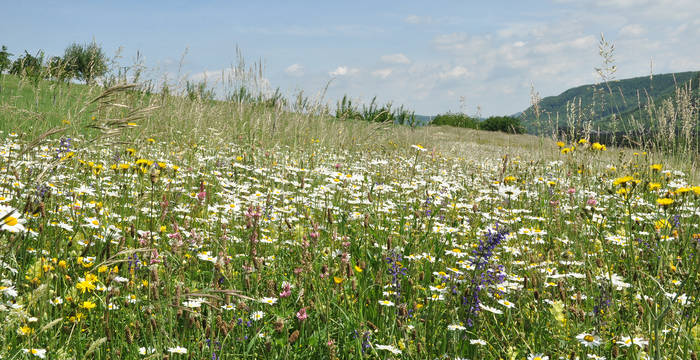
[[632, 30], [455, 72], [621, 3], [294, 70], [343, 70], [416, 19], [396, 59], [382, 73], [494, 67]]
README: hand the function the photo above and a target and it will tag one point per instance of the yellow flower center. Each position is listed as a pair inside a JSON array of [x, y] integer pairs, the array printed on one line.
[[589, 338], [11, 221]]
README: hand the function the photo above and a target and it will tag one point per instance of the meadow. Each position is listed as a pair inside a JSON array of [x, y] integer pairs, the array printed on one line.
[[143, 225]]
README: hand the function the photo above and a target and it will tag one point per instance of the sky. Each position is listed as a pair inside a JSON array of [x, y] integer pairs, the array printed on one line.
[[478, 57]]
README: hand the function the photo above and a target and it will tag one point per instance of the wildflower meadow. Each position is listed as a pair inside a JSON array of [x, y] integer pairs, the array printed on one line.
[[159, 248]]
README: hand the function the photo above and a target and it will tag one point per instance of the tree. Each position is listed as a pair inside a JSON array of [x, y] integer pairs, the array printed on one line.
[[57, 68], [28, 65], [505, 124], [85, 62], [4, 59]]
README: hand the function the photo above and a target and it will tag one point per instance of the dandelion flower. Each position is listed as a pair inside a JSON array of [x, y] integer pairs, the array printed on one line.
[[88, 305], [664, 201]]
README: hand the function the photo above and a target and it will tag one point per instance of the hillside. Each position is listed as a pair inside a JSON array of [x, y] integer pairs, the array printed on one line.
[[597, 102]]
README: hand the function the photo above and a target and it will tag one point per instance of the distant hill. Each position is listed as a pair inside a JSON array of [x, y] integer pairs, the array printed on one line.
[[597, 104]]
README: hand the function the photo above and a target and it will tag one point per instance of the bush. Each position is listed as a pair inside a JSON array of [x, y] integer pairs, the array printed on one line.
[[505, 124], [457, 120]]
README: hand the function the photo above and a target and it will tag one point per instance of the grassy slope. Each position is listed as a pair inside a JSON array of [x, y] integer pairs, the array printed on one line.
[[33, 109]]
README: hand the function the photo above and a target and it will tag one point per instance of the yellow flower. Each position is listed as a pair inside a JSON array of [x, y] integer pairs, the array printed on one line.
[[582, 141], [598, 146], [85, 286], [509, 178], [88, 305], [560, 144], [78, 316], [664, 201], [656, 167], [25, 330], [358, 269], [622, 180], [683, 190], [337, 280], [654, 186]]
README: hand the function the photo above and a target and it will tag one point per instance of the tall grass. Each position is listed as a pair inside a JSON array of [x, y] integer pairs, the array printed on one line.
[[173, 225]]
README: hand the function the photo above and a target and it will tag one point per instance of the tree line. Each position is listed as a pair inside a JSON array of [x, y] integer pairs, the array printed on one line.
[[507, 124], [83, 62]]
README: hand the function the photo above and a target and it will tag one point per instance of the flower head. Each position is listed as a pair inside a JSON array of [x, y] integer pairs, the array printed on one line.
[[588, 340]]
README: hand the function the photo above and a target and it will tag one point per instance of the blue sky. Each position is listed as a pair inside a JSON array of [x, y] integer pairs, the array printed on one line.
[[432, 57]]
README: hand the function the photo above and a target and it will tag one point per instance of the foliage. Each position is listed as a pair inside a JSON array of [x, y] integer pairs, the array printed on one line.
[[198, 91], [85, 61], [505, 124], [456, 119], [598, 103], [373, 112], [58, 69], [28, 65], [5, 62]]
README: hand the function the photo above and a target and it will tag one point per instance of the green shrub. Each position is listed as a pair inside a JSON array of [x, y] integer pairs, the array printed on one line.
[[457, 120], [505, 124]]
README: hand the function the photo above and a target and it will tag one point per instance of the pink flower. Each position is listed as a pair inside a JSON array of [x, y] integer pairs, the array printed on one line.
[[591, 202], [286, 290], [301, 314]]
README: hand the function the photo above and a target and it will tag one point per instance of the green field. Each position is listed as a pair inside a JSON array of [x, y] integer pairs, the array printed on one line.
[[143, 225]]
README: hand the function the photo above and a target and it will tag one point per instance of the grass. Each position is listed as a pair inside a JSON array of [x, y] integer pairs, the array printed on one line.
[[237, 230]]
